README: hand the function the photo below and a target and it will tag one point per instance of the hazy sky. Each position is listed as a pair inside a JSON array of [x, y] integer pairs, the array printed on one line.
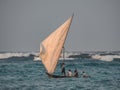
[[25, 23]]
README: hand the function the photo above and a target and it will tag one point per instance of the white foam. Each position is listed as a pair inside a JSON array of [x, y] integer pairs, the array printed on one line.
[[67, 58], [105, 57], [36, 58], [8, 55]]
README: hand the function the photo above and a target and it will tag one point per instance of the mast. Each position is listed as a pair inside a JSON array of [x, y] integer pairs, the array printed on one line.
[[63, 52]]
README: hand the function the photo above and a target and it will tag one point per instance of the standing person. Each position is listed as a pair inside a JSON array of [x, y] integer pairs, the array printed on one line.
[[63, 69], [69, 73], [76, 73]]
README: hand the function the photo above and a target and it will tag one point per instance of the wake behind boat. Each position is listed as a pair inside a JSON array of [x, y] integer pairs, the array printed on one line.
[[51, 48]]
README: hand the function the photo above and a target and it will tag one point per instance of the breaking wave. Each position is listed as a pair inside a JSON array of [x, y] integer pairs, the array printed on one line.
[[106, 57], [9, 55], [68, 55], [109, 56]]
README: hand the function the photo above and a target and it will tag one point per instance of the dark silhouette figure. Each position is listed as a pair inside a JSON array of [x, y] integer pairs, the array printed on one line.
[[76, 73], [63, 69]]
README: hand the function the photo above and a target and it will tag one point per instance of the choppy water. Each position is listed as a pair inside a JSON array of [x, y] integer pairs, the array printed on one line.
[[30, 75]]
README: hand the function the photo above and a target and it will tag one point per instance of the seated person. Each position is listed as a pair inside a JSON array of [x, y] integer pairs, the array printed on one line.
[[69, 73], [75, 73], [85, 75]]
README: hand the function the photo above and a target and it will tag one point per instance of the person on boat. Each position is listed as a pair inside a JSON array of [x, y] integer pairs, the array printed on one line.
[[69, 72], [63, 69], [85, 75], [76, 73]]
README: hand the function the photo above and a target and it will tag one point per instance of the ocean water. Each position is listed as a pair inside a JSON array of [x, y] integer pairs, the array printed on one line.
[[26, 74]]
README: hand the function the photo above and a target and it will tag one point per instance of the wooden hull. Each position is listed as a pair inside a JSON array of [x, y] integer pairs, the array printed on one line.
[[57, 76]]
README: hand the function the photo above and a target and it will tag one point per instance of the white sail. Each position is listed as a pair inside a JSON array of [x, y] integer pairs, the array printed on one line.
[[51, 47]]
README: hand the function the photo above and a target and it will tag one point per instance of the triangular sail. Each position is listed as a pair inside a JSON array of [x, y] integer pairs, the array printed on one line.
[[51, 47]]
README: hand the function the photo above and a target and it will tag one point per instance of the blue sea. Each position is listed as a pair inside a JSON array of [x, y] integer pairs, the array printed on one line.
[[26, 74]]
